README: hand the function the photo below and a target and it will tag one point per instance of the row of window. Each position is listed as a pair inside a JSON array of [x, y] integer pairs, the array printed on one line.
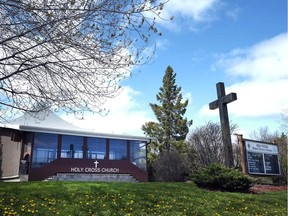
[[45, 149]]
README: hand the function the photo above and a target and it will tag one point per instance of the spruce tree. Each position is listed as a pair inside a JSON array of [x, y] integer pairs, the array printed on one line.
[[171, 128]]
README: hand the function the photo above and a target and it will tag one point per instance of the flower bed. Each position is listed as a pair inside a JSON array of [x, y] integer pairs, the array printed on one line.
[[265, 188]]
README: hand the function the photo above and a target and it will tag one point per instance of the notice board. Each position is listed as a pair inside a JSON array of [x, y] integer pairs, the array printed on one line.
[[262, 158]]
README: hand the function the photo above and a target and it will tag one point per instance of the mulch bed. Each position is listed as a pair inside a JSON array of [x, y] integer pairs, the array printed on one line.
[[266, 188]]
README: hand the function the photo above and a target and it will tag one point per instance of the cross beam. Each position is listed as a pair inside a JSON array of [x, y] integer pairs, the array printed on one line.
[[221, 103]]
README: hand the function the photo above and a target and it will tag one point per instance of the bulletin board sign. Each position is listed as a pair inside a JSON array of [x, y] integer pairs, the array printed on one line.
[[261, 158]]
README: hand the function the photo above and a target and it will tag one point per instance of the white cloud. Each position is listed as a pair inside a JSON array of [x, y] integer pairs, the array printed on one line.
[[162, 43], [195, 9], [189, 11], [267, 60], [126, 115], [256, 99], [233, 13], [205, 111], [187, 96], [263, 78]]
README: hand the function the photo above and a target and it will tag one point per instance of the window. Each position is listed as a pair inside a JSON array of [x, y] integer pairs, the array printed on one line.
[[118, 149], [96, 148], [72, 147], [138, 154], [45, 149]]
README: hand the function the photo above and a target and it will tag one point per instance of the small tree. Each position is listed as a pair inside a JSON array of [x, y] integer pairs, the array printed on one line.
[[171, 128]]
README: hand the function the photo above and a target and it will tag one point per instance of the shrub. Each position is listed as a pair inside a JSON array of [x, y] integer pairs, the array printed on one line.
[[217, 176], [169, 167]]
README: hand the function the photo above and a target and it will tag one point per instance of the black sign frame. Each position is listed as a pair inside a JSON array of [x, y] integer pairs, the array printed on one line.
[[262, 158]]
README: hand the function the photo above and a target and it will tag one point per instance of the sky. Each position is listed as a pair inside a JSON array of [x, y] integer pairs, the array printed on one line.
[[242, 43]]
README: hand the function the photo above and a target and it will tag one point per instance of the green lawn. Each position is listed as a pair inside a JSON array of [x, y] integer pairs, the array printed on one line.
[[82, 198]]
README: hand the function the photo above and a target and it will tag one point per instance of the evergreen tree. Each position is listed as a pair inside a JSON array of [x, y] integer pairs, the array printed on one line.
[[171, 128]]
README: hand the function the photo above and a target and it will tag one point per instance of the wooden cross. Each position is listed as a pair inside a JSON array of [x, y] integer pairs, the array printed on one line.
[[221, 103]]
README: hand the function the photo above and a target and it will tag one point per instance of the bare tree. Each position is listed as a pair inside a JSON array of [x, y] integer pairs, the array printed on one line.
[[68, 54], [206, 141], [284, 121], [263, 134]]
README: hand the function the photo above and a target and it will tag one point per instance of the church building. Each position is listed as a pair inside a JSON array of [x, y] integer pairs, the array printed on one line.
[[45, 147]]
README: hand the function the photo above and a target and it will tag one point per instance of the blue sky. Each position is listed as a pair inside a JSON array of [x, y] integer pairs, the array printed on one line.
[[241, 43]]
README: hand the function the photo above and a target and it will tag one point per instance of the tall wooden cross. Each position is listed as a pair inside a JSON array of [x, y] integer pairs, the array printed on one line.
[[221, 103]]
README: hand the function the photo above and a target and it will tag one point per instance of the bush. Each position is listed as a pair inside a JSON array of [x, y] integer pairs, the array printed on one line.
[[169, 167], [217, 176]]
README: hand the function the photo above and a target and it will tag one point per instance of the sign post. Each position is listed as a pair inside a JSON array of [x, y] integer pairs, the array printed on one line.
[[242, 153]]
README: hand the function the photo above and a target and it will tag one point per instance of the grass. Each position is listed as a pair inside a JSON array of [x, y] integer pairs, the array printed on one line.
[[87, 198]]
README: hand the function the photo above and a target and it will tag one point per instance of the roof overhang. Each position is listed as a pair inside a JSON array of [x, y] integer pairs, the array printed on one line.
[[83, 133]]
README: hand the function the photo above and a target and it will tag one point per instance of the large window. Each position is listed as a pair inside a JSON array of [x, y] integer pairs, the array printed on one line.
[[96, 148], [45, 149], [138, 154], [72, 146], [118, 149]]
